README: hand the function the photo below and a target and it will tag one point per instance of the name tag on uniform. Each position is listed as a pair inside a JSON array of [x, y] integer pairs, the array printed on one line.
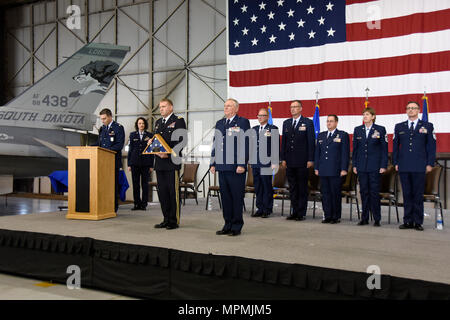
[[423, 130], [401, 132], [135, 139], [146, 139], [320, 141], [358, 138], [172, 125]]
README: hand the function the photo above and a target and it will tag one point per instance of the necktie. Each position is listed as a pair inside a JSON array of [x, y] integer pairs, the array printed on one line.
[[367, 132], [412, 126], [329, 135], [228, 122], [295, 124], [261, 128], [163, 121]]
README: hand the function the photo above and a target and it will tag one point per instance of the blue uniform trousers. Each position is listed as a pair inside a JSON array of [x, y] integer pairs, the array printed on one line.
[[413, 186], [369, 184], [140, 176], [298, 190], [263, 191], [330, 187], [232, 191]]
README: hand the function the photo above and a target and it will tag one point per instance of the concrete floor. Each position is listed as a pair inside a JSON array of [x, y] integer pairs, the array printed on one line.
[[402, 253], [20, 206], [18, 288]]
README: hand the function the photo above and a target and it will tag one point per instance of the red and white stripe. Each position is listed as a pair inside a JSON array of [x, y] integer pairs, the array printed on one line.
[[408, 55]]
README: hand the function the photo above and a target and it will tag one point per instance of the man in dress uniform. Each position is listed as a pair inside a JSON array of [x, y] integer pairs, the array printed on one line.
[[414, 154], [229, 157], [370, 159], [262, 180], [140, 165], [112, 136], [331, 164], [297, 154], [167, 171]]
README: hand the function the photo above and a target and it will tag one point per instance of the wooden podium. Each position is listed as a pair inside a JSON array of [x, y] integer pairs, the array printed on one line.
[[91, 183]]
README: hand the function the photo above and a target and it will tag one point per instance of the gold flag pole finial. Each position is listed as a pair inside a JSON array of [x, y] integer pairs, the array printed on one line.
[[366, 103]]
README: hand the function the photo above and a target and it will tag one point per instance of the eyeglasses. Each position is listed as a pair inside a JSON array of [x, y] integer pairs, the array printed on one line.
[[412, 108], [263, 115]]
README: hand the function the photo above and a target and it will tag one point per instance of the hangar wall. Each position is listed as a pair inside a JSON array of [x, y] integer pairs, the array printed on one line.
[[178, 50]]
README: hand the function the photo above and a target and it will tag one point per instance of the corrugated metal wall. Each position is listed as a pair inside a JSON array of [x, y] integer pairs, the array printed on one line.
[[178, 50]]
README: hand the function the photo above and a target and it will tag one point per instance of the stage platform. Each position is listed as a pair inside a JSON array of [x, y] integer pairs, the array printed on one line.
[[300, 259]]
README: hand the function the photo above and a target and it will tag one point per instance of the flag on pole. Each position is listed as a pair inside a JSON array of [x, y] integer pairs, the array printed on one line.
[[269, 108], [316, 120], [425, 109]]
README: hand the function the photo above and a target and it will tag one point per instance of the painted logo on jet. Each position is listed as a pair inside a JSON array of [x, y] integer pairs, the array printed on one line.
[[4, 137], [97, 75]]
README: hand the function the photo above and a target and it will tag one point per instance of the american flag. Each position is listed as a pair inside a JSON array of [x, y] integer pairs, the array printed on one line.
[[281, 50]]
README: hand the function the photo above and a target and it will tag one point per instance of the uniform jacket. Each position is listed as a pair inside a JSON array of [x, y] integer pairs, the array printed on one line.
[[332, 155], [137, 146], [297, 144], [236, 128], [371, 153], [166, 130], [412, 152], [267, 139], [112, 139]]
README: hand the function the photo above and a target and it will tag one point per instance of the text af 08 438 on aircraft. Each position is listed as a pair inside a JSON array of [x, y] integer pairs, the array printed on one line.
[[32, 136]]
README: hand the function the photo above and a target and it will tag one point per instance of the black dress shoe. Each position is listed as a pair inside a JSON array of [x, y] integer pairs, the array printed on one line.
[[222, 232], [143, 208], [161, 225], [300, 218], [234, 233], [377, 224], [406, 226], [291, 218], [326, 221], [257, 214], [334, 221], [418, 227], [363, 223], [264, 215], [136, 208], [171, 226]]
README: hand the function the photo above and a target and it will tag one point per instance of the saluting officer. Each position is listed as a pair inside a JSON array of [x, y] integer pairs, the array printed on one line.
[[331, 164], [140, 165], [112, 136], [414, 154], [231, 163], [168, 172], [262, 181], [297, 154], [370, 159]]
